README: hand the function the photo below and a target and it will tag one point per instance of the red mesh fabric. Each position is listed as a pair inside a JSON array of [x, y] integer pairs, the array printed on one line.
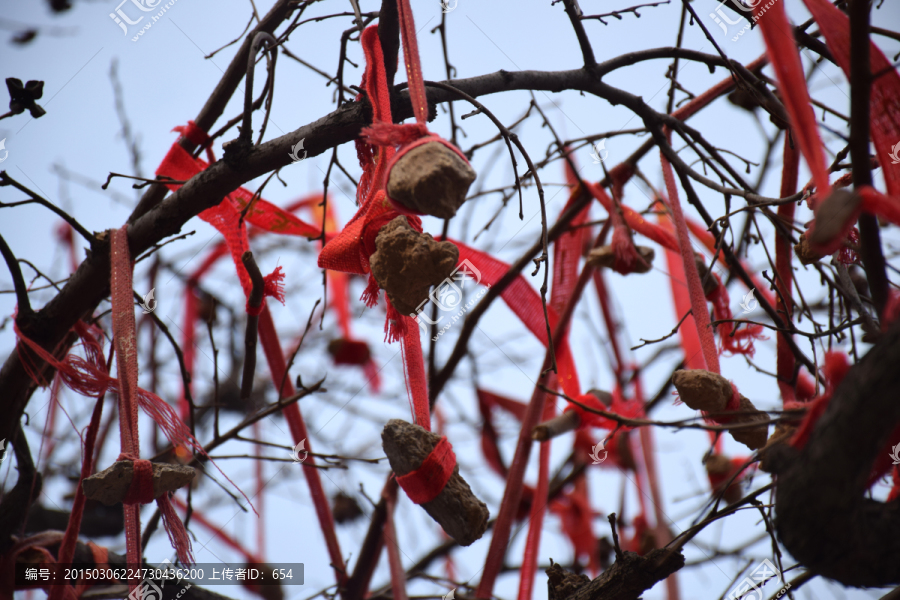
[[687, 333], [487, 402], [783, 257], [140, 491], [695, 287], [566, 258], [425, 483], [414, 366], [792, 84], [67, 546], [884, 95], [126, 363], [181, 166]]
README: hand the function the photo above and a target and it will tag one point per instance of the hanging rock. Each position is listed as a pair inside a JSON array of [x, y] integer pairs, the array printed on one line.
[[605, 256], [110, 486], [710, 392], [805, 254], [431, 179], [456, 509], [834, 215], [407, 263]]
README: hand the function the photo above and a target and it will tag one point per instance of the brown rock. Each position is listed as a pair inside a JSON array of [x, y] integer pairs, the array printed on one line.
[[710, 284], [605, 256], [344, 508], [432, 179], [804, 251], [407, 263], [719, 468], [833, 215], [110, 486], [782, 434], [456, 509], [702, 390], [708, 391], [752, 437]]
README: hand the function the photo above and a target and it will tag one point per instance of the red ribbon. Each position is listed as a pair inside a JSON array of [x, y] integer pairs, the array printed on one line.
[[425, 483]]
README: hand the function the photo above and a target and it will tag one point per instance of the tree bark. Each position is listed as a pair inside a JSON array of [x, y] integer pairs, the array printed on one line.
[[822, 514]]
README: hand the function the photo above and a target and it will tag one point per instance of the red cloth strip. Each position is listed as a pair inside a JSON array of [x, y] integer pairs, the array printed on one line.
[[414, 365], [126, 363], [885, 90], [783, 253], [695, 287], [785, 60], [140, 491], [425, 483]]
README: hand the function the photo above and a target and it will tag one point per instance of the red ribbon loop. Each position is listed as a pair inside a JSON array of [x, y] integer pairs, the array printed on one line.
[[140, 491], [425, 483]]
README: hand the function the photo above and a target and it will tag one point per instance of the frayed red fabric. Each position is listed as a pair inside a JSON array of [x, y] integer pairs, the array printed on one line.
[[733, 339], [425, 483], [273, 287]]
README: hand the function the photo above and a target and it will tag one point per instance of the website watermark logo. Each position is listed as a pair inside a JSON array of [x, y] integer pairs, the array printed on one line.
[[894, 154], [148, 303], [295, 151], [448, 6], [600, 153], [448, 297], [595, 453], [123, 20], [749, 302], [300, 447], [146, 590], [751, 587], [6, 152], [721, 18], [3, 451], [894, 454]]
